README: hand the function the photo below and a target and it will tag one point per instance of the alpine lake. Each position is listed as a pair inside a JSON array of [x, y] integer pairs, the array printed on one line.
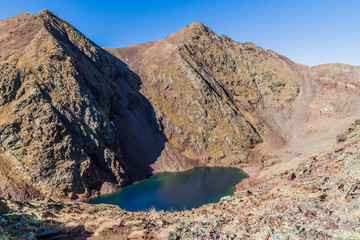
[[176, 191]]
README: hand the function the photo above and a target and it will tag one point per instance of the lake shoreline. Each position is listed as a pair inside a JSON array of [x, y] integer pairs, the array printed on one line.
[[165, 190]]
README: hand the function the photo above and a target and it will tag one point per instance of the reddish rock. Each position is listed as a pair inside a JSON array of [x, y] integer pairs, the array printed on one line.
[[108, 187], [95, 193]]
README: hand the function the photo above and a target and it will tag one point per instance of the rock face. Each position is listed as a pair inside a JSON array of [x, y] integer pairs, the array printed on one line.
[[64, 102]]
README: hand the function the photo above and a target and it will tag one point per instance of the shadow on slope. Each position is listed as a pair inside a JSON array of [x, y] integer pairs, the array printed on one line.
[[79, 116], [140, 134], [132, 115]]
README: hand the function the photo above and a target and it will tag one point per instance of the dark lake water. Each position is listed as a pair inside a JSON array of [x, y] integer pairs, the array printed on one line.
[[176, 191]]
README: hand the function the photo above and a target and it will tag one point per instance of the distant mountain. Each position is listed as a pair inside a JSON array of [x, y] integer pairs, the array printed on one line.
[[76, 120]]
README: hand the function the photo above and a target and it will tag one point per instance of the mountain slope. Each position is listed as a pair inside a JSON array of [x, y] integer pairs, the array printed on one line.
[[60, 98], [202, 94], [245, 102]]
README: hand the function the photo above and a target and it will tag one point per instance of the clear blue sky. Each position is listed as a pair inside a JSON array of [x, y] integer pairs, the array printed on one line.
[[310, 32]]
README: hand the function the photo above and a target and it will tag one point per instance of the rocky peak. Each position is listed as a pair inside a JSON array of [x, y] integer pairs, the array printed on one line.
[[46, 12], [198, 28], [67, 107], [269, 96]]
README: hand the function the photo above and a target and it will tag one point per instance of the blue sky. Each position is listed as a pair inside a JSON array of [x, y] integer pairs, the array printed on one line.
[[310, 32]]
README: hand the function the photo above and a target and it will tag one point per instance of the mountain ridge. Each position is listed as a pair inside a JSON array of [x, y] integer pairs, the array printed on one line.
[[72, 147], [296, 78], [191, 99]]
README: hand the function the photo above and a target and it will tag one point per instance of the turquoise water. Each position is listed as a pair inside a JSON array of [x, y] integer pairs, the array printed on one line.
[[176, 191]]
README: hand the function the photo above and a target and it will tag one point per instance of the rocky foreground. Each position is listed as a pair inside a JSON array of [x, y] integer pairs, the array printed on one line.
[[317, 197]]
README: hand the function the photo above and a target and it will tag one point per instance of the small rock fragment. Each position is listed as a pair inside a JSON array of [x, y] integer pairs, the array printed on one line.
[[291, 177]]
